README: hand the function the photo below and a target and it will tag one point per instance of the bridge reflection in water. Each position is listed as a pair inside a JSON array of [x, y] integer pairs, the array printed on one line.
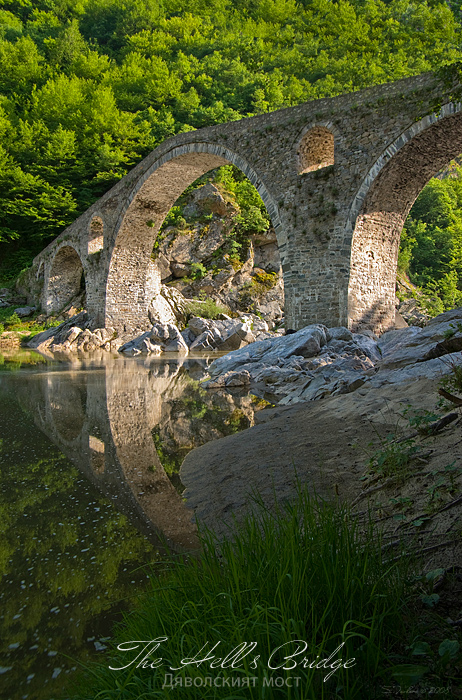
[[108, 421]]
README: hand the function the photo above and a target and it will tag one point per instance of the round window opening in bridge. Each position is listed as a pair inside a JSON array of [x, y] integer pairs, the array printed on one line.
[[95, 235], [316, 150]]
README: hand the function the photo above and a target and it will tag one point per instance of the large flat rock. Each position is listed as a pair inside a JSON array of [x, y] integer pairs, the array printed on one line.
[[324, 444]]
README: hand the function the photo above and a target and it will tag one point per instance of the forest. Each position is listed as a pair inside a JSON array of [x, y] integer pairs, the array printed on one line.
[[89, 87]]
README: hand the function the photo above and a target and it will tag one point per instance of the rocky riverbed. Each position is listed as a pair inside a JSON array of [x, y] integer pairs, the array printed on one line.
[[368, 433], [317, 362]]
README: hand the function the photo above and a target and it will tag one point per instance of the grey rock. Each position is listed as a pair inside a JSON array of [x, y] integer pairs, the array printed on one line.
[[408, 345], [162, 263], [25, 311], [177, 345], [241, 378], [339, 333], [73, 334], [209, 198], [180, 269], [206, 246], [368, 346], [204, 341], [198, 325], [159, 333], [187, 336], [135, 346]]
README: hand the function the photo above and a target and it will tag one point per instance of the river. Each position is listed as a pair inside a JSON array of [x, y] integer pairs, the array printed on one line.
[[91, 499]]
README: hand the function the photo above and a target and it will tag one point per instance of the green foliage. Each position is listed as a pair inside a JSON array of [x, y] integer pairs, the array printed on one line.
[[393, 458], [305, 571], [431, 242], [90, 87], [205, 309], [453, 380], [198, 271]]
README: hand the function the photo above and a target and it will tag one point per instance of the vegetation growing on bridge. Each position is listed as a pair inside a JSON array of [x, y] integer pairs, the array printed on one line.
[[90, 87]]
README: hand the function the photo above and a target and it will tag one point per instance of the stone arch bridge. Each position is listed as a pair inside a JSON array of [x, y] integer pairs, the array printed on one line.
[[338, 177]]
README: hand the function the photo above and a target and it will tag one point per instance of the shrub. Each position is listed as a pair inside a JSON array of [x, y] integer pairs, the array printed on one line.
[[198, 271], [206, 309]]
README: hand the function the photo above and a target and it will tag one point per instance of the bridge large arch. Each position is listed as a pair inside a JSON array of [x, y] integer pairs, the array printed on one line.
[[131, 283], [381, 206]]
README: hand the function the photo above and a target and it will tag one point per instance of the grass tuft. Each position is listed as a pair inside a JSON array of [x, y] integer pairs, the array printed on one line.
[[306, 571]]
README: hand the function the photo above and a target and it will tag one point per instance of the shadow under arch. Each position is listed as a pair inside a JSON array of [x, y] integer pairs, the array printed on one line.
[[65, 280], [130, 284], [380, 209]]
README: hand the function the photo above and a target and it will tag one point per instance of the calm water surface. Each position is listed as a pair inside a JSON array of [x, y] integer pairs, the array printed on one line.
[[90, 499]]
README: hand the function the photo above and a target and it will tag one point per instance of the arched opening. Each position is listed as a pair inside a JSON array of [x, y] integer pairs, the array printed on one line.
[[316, 150], [66, 280], [383, 205], [95, 235], [217, 244], [134, 276]]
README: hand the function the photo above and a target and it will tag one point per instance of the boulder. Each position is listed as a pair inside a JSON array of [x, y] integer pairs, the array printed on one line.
[[241, 378], [180, 269], [408, 345], [204, 341], [24, 311], [206, 245], [177, 345], [198, 325], [209, 199], [162, 264], [339, 333], [73, 334], [160, 311], [159, 333]]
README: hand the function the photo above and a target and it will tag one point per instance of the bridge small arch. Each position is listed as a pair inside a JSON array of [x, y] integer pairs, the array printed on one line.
[[380, 209], [66, 279], [316, 150], [95, 235], [131, 284]]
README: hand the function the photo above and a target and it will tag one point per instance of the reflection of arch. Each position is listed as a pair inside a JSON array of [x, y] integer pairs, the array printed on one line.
[[130, 286], [100, 423], [316, 149], [381, 207], [66, 279], [95, 235], [67, 404], [137, 457]]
